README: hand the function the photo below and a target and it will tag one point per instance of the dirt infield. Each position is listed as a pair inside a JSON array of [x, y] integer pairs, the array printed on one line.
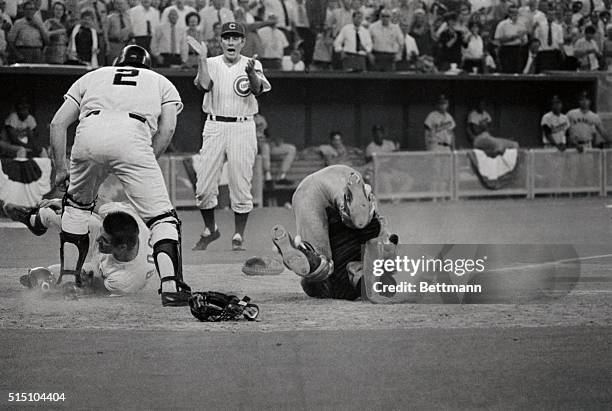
[[584, 317]]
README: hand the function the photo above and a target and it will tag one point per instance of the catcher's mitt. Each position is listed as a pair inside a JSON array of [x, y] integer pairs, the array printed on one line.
[[215, 306], [262, 266]]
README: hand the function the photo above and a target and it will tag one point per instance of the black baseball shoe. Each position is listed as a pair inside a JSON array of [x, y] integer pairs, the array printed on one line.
[[293, 258], [178, 298], [284, 182], [205, 240], [22, 214], [237, 243]]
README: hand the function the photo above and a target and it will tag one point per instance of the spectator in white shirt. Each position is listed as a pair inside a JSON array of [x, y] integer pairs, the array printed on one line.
[[511, 35], [274, 43], [182, 10], [169, 44], [354, 44], [586, 50], [550, 34], [387, 41], [283, 11], [293, 62], [473, 50], [213, 14], [529, 15], [145, 20]]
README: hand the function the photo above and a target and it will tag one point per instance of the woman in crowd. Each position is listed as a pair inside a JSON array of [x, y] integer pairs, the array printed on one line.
[[473, 50], [193, 23], [55, 52]]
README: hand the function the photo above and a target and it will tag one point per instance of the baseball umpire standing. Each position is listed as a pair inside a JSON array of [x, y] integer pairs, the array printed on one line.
[[230, 82], [127, 116]]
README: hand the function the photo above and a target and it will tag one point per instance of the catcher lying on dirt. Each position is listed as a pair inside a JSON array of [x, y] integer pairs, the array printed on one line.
[[119, 259], [335, 213]]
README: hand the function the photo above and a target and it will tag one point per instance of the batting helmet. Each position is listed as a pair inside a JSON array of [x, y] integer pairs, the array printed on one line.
[[135, 56]]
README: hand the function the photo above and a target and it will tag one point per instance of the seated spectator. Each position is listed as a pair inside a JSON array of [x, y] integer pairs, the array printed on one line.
[[587, 51], [145, 19], [28, 37], [533, 63], [169, 44], [387, 42], [439, 126], [479, 124], [83, 46], [473, 51], [20, 127], [274, 43], [214, 44], [585, 125], [293, 62], [273, 149], [119, 30], [555, 126], [354, 44], [335, 152], [55, 52], [449, 44], [193, 23], [550, 35], [511, 35]]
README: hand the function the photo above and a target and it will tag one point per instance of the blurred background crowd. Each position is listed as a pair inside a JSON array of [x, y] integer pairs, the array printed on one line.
[[476, 36]]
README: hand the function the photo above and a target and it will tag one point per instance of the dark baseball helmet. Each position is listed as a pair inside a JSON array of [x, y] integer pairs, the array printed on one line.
[[135, 56]]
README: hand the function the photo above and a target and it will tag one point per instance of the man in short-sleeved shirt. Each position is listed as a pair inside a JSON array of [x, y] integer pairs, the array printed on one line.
[[555, 126], [585, 125]]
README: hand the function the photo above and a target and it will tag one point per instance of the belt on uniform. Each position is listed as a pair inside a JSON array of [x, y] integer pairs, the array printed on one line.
[[213, 117], [440, 143], [131, 115]]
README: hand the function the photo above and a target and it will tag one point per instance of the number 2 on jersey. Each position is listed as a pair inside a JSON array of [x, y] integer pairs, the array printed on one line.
[[122, 74]]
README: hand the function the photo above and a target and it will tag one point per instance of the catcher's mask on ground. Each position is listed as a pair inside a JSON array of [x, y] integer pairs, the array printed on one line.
[[359, 204]]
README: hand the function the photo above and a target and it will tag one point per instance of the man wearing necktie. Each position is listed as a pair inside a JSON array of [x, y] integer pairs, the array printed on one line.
[[145, 20], [354, 44], [119, 29], [214, 13], [532, 65], [169, 44], [550, 34]]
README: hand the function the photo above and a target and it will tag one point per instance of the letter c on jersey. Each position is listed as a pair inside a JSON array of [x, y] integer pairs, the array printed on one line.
[[242, 86]]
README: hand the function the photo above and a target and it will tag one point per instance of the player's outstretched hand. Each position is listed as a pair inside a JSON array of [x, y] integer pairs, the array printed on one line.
[[198, 47], [250, 67]]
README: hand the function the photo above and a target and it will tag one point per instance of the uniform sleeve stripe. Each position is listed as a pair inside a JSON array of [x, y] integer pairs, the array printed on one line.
[[171, 101], [74, 99]]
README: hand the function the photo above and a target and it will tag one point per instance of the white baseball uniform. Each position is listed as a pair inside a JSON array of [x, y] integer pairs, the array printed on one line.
[[583, 126], [119, 277], [119, 108], [558, 124], [235, 140]]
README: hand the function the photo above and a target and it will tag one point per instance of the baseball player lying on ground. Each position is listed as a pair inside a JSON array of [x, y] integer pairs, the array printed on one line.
[[119, 258], [335, 214]]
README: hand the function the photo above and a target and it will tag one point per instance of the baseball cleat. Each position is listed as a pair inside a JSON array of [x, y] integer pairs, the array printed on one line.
[[179, 298], [205, 240], [22, 214], [293, 258], [237, 243]]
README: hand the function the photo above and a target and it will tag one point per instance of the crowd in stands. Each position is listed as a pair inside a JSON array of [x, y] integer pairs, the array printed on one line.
[[476, 36]]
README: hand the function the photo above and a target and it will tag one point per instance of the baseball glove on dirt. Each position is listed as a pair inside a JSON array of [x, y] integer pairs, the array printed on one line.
[[215, 306], [262, 266]]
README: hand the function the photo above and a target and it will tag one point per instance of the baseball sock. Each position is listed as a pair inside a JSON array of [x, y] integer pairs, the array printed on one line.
[[240, 220], [208, 215]]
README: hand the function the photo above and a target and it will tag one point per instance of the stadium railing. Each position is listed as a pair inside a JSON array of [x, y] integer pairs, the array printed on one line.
[[432, 175]]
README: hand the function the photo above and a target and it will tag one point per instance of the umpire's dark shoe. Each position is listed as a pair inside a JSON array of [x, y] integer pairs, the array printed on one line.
[[284, 182], [293, 258], [179, 298], [22, 214], [205, 240]]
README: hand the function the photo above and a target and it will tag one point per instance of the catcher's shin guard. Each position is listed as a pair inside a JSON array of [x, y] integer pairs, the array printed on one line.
[[81, 241], [166, 238]]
